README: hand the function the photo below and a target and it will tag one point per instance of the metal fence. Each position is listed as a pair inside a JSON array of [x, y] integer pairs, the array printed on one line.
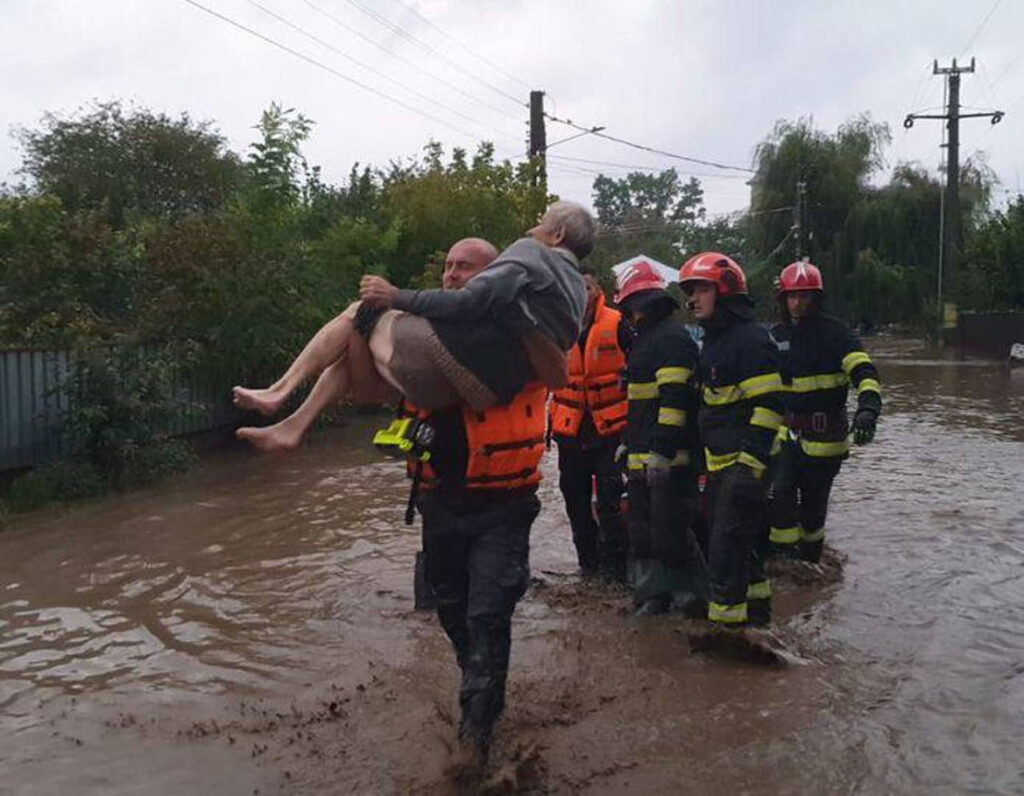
[[32, 407]]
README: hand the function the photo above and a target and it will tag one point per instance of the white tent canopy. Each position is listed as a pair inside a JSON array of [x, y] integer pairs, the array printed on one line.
[[667, 273]]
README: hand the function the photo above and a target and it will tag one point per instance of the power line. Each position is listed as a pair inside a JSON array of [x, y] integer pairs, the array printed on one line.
[[372, 70], [463, 45], [570, 123], [646, 168], [399, 30], [356, 32], [329, 69], [980, 27]]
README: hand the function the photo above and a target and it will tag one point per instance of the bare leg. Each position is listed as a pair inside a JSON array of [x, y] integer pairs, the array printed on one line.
[[352, 376], [331, 387], [328, 345]]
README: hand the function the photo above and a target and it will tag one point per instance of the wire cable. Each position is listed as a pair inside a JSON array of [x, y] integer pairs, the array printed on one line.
[[356, 32], [463, 45], [400, 31], [981, 26], [320, 65], [372, 70], [686, 158], [659, 169]]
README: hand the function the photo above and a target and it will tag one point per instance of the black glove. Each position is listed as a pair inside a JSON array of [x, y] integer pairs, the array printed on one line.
[[864, 426]]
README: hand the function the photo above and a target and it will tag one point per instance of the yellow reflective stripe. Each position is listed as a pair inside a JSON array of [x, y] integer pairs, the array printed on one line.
[[762, 590], [760, 385], [869, 384], [729, 614], [637, 461], [824, 449], [766, 418], [642, 391], [720, 461], [812, 536], [777, 441], [672, 375], [752, 462], [823, 381], [853, 359], [668, 416], [784, 535], [718, 396]]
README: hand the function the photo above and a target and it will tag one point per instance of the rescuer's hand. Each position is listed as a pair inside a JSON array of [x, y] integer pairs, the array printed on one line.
[[657, 469], [377, 291], [864, 426], [620, 453]]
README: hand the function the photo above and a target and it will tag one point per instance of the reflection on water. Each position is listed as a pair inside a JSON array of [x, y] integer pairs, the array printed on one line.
[[253, 574]]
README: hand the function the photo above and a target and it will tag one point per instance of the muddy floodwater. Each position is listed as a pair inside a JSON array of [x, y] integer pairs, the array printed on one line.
[[249, 628]]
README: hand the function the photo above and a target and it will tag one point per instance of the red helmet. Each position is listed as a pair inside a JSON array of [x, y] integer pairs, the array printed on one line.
[[721, 271], [639, 276], [800, 276]]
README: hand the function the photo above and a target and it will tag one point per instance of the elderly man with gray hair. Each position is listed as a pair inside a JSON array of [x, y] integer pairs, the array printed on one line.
[[510, 324]]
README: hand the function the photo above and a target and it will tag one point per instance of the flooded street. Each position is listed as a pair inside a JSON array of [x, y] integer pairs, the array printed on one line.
[[249, 628]]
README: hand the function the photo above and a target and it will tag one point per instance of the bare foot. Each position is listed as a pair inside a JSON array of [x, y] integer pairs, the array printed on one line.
[[269, 439], [266, 402]]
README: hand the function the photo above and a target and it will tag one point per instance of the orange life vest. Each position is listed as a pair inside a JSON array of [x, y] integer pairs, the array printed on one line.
[[505, 443], [594, 380]]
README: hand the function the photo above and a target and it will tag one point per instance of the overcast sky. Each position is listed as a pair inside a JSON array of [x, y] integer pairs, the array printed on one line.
[[702, 78]]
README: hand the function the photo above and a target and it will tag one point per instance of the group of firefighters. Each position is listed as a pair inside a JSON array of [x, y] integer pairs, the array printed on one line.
[[758, 416], [727, 450]]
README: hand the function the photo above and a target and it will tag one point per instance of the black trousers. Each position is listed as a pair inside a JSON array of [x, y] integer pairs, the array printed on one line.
[[666, 557], [737, 546], [801, 487], [601, 544], [477, 565]]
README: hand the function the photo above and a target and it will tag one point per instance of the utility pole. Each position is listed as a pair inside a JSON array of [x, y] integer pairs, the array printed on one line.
[[538, 135], [951, 227]]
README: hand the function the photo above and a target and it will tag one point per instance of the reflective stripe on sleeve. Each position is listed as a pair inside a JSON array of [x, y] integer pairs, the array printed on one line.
[[667, 416], [869, 385], [760, 385], [642, 391], [766, 418], [674, 375], [853, 359]]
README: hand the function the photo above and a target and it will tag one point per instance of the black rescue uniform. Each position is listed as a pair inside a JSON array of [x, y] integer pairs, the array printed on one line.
[[663, 399], [821, 358], [741, 411]]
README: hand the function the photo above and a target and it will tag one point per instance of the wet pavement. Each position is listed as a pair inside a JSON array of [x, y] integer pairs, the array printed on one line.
[[249, 628]]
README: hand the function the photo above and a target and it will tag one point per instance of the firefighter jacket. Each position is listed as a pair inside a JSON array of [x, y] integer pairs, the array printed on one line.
[[741, 390], [595, 380], [497, 449], [820, 359], [662, 393]]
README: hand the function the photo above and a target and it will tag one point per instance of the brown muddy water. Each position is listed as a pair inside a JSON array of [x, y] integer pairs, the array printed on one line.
[[248, 628]]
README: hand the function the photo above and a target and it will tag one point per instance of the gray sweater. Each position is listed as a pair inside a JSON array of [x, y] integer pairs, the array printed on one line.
[[529, 287]]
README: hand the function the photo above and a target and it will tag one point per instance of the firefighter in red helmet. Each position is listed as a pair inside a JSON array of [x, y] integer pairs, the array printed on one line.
[[669, 573], [821, 359], [740, 413]]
